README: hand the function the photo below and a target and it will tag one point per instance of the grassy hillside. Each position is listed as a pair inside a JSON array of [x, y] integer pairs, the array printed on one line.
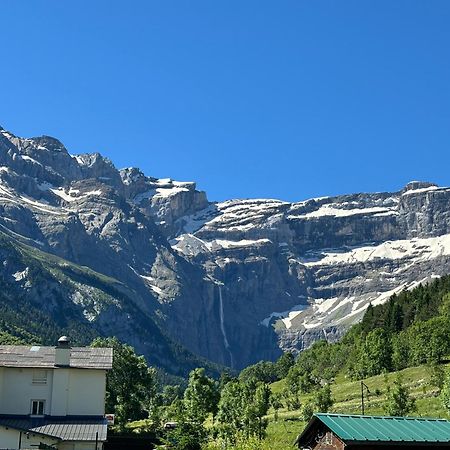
[[347, 397]]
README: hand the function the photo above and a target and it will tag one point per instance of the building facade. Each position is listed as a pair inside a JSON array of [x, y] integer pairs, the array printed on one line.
[[53, 396]]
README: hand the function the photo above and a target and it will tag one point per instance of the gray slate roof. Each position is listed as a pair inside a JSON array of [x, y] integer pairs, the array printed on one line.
[[37, 356], [64, 428]]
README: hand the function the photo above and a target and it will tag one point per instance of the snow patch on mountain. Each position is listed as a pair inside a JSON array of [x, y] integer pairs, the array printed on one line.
[[421, 190], [191, 245], [169, 191], [29, 158], [419, 249], [285, 316], [73, 195], [19, 276], [332, 210]]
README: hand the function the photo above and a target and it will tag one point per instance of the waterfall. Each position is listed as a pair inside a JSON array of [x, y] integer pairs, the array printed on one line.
[[222, 327]]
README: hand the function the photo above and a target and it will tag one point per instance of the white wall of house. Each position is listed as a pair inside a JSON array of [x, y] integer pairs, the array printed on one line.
[[59, 392], [67, 391], [18, 390], [9, 438], [87, 390]]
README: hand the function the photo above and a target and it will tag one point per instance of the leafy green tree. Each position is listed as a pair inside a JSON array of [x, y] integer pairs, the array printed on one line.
[[242, 408], [430, 340], [276, 402], [241, 443], [264, 371], [175, 412], [201, 396], [130, 385], [375, 354], [399, 402], [445, 392], [283, 364], [257, 409], [291, 399], [171, 393], [307, 411], [225, 378], [379, 352], [186, 436], [400, 351], [394, 315], [298, 381], [444, 308], [321, 362], [231, 411], [323, 400], [437, 375]]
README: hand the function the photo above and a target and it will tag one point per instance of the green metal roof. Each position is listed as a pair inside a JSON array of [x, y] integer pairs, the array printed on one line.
[[385, 428]]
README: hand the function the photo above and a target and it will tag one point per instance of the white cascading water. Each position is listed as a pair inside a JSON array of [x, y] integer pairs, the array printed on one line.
[[222, 327]]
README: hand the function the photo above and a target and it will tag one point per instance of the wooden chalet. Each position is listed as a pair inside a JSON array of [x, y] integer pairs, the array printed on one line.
[[355, 432]]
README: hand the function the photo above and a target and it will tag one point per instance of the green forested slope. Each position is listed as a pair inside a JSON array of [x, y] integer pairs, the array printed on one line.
[[409, 336], [412, 328]]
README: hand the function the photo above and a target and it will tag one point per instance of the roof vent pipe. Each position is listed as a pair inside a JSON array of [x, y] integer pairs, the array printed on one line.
[[62, 352]]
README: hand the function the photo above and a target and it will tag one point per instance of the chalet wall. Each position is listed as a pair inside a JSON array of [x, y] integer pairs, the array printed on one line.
[[87, 389], [67, 391], [78, 392], [328, 442], [9, 439], [60, 386], [17, 391], [331, 442]]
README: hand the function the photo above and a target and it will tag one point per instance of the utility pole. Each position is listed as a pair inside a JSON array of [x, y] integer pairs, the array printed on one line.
[[363, 385]]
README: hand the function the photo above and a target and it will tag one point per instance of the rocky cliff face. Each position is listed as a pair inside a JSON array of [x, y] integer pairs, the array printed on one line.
[[235, 281]]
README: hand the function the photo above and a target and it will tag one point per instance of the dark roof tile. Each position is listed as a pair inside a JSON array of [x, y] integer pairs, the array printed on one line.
[[35, 356]]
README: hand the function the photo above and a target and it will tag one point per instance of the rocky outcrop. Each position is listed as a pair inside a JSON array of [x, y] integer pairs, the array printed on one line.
[[308, 270], [235, 281]]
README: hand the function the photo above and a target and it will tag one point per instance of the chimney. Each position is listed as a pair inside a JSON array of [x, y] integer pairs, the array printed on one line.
[[62, 352]]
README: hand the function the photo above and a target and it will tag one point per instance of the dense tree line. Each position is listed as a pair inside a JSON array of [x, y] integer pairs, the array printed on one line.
[[235, 408]]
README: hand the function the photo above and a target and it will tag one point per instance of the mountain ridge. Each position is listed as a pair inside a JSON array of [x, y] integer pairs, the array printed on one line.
[[233, 281]]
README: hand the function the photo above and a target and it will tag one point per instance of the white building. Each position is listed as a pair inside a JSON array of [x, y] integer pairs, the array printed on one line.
[[53, 397]]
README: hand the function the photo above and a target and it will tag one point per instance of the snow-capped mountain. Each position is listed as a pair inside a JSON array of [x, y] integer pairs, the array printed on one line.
[[236, 281]]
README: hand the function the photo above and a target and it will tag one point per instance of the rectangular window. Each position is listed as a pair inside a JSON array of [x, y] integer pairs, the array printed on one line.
[[39, 376], [37, 407]]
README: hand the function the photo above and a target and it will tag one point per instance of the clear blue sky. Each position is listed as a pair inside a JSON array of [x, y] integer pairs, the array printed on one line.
[[250, 98]]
